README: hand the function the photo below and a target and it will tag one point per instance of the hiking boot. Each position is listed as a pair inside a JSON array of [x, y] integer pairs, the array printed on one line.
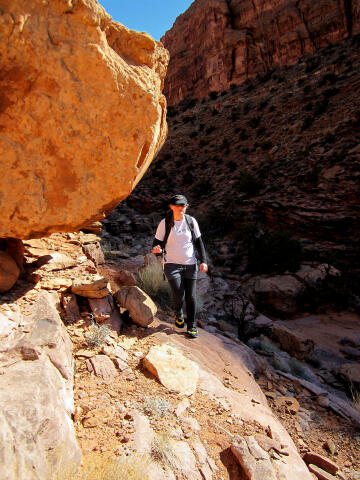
[[179, 320], [192, 332]]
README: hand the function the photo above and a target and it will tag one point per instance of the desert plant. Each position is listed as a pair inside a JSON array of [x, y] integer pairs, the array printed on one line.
[[97, 335], [213, 95], [151, 280], [240, 312], [162, 452], [299, 369], [156, 406], [109, 468], [355, 395]]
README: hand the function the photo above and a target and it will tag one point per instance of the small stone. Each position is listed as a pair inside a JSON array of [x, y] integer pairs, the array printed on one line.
[[330, 446]]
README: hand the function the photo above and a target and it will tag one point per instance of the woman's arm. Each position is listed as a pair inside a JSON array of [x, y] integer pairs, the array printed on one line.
[[199, 244]]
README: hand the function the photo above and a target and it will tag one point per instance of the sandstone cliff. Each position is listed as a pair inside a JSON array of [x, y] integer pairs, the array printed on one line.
[[81, 113], [216, 43], [278, 151]]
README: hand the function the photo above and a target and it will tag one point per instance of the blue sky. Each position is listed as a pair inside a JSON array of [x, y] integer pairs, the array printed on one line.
[[151, 16]]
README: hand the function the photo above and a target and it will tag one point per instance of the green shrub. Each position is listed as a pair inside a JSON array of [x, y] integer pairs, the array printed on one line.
[[273, 252]]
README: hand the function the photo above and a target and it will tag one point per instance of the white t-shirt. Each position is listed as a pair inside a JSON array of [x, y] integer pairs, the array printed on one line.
[[179, 247]]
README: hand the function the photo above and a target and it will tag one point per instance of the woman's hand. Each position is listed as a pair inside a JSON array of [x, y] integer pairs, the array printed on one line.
[[157, 249], [203, 267]]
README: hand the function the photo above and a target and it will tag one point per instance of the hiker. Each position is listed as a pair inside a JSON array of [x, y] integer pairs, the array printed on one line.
[[176, 237]]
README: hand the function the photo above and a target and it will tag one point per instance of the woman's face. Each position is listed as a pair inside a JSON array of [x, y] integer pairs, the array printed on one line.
[[178, 209]]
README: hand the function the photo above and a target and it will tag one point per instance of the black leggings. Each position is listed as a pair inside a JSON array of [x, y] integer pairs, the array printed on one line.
[[182, 280]]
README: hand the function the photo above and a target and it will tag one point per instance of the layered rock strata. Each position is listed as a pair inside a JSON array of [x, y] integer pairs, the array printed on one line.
[[216, 43], [81, 114]]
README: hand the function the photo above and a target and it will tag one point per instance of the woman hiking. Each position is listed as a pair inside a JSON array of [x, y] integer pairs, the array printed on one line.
[[176, 237]]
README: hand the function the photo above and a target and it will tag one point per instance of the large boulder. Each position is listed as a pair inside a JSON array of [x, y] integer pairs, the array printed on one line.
[[293, 342], [81, 114], [274, 294], [141, 308]]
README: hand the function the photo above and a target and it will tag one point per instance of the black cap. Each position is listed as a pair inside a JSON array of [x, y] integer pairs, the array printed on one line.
[[178, 200]]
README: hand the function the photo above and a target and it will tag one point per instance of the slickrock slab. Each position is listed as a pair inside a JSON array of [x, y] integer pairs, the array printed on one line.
[[82, 114], [37, 439], [320, 473], [321, 461], [141, 308], [9, 323], [103, 367], [253, 459], [268, 444], [96, 288], [176, 372]]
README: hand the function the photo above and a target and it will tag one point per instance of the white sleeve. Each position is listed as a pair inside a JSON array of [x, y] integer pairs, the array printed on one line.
[[160, 231], [196, 228]]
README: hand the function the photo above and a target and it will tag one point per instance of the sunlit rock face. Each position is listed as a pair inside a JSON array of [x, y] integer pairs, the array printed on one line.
[[219, 42], [81, 113]]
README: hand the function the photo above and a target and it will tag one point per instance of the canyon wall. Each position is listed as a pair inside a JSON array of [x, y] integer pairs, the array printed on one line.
[[82, 113], [216, 43]]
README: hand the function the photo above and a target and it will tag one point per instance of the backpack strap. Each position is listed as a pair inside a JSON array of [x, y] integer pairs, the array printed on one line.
[[190, 224], [168, 225]]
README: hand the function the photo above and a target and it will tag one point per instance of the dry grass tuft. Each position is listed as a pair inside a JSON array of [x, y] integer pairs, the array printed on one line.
[[161, 451], [355, 394], [110, 468]]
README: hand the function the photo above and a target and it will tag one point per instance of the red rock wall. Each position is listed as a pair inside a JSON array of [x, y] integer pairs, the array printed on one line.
[[219, 42]]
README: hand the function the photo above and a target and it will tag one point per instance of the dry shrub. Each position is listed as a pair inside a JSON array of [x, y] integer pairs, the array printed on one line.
[[161, 451], [97, 335], [355, 394], [111, 468]]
